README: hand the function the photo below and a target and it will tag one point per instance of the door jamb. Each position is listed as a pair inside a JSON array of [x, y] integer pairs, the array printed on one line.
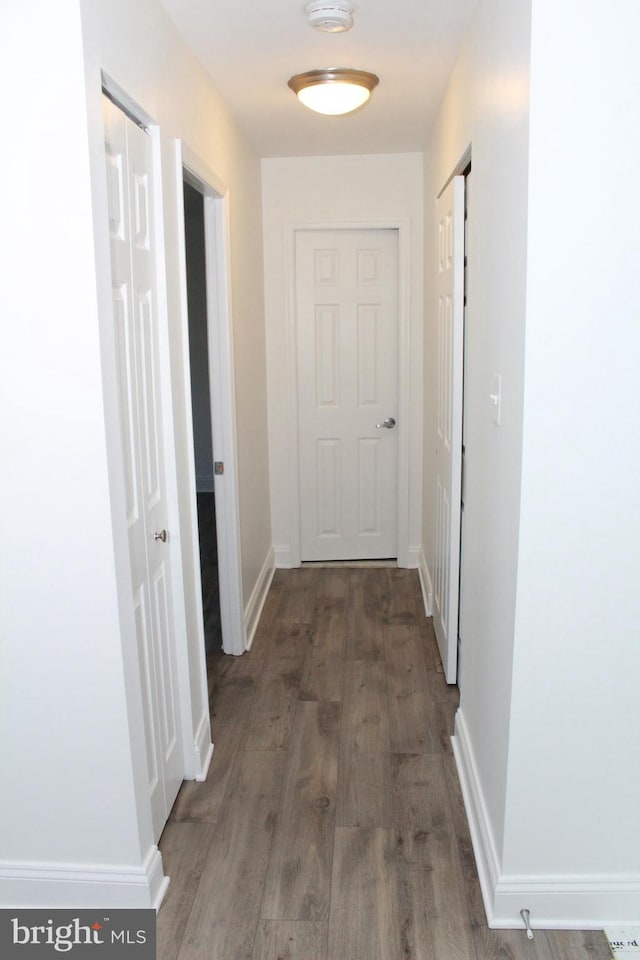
[[222, 397], [403, 227]]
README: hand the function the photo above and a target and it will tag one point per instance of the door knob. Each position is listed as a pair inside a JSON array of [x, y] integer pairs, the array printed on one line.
[[389, 423], [161, 536]]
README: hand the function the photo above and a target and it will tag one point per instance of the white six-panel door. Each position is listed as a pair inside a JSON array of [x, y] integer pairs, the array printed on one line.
[[450, 296], [347, 342], [135, 314]]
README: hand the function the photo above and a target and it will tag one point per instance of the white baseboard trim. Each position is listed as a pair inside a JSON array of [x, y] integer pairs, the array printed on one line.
[[203, 746], [80, 885], [283, 558], [567, 902], [258, 596], [425, 583], [413, 557], [572, 902], [482, 838]]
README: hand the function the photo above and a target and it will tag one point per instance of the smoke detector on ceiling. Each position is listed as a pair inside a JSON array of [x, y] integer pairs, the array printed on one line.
[[331, 16]]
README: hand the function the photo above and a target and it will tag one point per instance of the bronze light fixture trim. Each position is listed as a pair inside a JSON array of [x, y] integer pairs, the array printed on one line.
[[334, 90]]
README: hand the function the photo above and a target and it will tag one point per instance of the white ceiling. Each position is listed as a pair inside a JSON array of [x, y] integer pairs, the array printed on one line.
[[250, 48]]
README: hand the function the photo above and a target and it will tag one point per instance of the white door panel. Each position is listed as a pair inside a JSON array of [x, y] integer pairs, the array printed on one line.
[[450, 294], [347, 336], [134, 282]]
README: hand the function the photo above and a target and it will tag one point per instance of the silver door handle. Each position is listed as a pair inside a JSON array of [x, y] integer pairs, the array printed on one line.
[[161, 536], [389, 423]]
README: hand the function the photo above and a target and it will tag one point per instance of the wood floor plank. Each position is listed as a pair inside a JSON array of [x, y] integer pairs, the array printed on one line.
[[298, 596], [579, 945], [364, 895], [290, 640], [365, 723], [402, 605], [441, 725], [433, 907], [489, 944], [291, 940], [226, 909], [299, 878], [233, 695], [343, 836], [184, 848], [407, 685], [364, 794], [269, 724], [331, 587], [322, 675], [363, 624]]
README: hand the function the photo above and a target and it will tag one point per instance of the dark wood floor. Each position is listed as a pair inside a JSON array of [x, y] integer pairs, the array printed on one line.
[[331, 826], [208, 544]]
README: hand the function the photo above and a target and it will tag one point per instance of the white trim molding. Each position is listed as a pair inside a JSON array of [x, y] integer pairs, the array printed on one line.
[[425, 583], [282, 558], [572, 902], [203, 747], [258, 596], [81, 885], [222, 393]]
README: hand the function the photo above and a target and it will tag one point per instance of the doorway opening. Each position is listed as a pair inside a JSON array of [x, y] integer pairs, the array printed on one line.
[[194, 222]]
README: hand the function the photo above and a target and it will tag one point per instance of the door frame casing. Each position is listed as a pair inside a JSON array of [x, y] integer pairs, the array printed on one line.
[[403, 228], [222, 399]]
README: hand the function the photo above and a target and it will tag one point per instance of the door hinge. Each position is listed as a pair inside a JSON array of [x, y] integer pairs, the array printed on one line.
[[218, 468]]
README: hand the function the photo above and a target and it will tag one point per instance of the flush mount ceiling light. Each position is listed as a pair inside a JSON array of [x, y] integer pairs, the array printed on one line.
[[332, 16], [333, 91]]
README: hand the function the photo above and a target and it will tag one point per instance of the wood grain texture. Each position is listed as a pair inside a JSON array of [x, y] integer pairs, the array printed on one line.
[[407, 686], [184, 848], [291, 940], [363, 623], [320, 679], [332, 826], [432, 898], [269, 723], [235, 684], [364, 795], [226, 908], [297, 603], [364, 896], [298, 883]]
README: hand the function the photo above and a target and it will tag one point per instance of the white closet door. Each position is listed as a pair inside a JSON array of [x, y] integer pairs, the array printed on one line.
[[450, 294], [347, 336], [135, 298]]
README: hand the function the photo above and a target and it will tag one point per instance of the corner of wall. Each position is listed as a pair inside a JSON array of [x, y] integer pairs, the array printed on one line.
[[560, 902], [50, 885]]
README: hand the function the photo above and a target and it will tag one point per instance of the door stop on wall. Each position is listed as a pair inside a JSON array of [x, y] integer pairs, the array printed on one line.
[[524, 913]]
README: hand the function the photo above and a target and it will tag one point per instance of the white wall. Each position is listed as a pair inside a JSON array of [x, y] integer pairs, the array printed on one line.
[[574, 774], [486, 106], [317, 190], [69, 787], [549, 715], [73, 751]]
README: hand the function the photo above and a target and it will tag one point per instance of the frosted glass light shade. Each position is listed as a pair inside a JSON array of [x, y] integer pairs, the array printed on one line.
[[333, 91]]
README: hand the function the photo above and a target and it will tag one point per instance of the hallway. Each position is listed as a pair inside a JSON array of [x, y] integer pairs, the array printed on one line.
[[331, 826]]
